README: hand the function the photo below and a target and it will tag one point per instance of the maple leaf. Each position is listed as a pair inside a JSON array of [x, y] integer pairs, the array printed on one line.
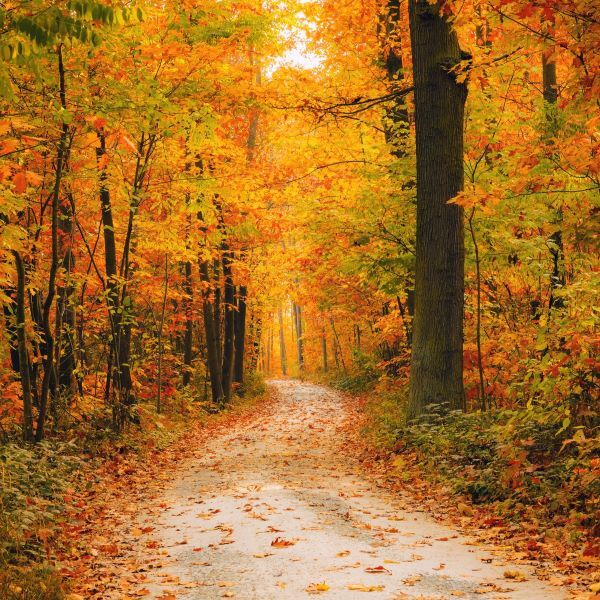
[[279, 542]]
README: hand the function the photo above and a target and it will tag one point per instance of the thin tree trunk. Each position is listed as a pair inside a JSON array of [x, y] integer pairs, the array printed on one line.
[[240, 335], [324, 350], [160, 336], [282, 353], [396, 124], [299, 340], [22, 349], [110, 264], [255, 335], [189, 324], [48, 361], [338, 347], [65, 309], [228, 325], [556, 246], [212, 351], [437, 361], [482, 398]]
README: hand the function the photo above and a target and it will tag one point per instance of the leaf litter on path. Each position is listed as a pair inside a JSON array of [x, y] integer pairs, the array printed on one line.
[[274, 469]]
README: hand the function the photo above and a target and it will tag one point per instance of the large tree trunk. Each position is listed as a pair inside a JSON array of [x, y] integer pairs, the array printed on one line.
[[437, 361]]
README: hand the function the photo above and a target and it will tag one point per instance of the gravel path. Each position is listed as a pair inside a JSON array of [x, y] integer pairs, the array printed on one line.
[[274, 510]]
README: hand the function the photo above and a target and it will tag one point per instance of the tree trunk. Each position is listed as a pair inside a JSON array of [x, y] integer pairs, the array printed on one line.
[[65, 309], [212, 340], [299, 340], [240, 335], [255, 334], [160, 336], [110, 262], [228, 325], [396, 126], [22, 349], [556, 246], [437, 361], [48, 361], [282, 353], [189, 324]]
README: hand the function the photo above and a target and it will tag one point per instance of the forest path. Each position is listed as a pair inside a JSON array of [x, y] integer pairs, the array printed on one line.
[[228, 516]]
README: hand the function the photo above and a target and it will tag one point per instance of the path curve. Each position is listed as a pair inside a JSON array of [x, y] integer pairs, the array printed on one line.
[[230, 514]]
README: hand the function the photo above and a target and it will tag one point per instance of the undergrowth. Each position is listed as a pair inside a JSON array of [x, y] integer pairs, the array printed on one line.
[[516, 459], [36, 481]]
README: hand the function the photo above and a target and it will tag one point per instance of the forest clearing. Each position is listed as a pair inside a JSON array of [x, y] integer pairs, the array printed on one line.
[[299, 299]]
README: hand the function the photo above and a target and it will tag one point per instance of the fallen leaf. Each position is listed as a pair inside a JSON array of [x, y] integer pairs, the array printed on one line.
[[514, 575], [378, 570], [359, 587], [317, 588], [279, 542]]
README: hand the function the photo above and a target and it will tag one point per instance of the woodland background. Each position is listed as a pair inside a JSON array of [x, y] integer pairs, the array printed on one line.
[[195, 196]]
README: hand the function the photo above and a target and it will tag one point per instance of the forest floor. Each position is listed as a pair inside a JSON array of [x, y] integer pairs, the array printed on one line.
[[277, 506]]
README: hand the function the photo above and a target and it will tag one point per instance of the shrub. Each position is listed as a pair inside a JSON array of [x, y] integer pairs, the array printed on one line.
[[528, 456], [32, 485]]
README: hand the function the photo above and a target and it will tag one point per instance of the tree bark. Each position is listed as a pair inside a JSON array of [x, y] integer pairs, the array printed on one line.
[[212, 340], [396, 125], [22, 349], [556, 246], [437, 361], [240, 335], [160, 336], [282, 353], [324, 350], [299, 340], [189, 324], [65, 309], [228, 325], [48, 360]]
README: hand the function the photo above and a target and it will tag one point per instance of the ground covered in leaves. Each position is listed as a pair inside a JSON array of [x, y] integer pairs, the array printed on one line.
[[275, 502]]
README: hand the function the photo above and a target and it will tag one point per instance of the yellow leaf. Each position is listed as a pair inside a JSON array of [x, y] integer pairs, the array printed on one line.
[[515, 575], [317, 588], [359, 587]]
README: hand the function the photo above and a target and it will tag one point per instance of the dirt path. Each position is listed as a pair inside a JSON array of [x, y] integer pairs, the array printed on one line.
[[274, 509]]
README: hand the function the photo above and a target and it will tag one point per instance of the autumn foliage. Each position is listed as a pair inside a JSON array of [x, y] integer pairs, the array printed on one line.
[[196, 195]]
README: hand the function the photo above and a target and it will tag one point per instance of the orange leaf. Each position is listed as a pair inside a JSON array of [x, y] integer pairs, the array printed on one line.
[[279, 542], [20, 182]]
